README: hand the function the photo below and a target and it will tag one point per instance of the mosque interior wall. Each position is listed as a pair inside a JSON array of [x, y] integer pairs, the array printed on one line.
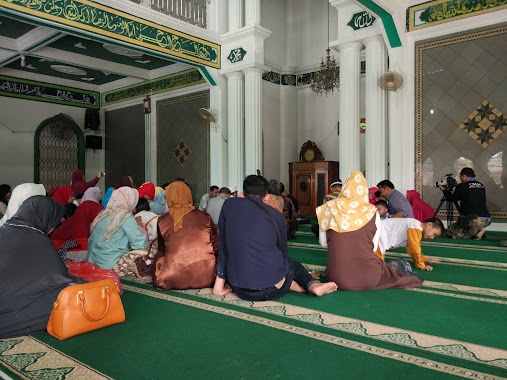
[[17, 149]]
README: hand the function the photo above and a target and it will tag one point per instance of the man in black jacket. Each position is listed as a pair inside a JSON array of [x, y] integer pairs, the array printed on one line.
[[474, 216]]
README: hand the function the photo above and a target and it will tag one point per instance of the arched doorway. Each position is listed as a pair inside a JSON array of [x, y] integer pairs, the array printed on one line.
[[59, 149]]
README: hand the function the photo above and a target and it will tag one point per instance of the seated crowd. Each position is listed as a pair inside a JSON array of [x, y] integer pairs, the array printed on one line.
[[231, 242]]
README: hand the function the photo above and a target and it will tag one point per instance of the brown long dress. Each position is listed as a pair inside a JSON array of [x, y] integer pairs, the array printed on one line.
[[186, 258], [353, 265]]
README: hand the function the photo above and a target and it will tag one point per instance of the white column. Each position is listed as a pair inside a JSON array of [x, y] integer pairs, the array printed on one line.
[[350, 74], [252, 12], [235, 15], [253, 120], [235, 93], [147, 147], [376, 139]]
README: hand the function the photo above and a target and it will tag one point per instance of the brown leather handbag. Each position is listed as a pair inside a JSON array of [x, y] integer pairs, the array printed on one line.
[[85, 307]]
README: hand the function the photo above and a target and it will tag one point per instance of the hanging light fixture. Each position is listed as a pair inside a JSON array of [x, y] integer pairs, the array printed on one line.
[[328, 77]]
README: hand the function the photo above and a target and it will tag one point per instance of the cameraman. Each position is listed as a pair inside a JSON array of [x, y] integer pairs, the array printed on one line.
[[474, 215]]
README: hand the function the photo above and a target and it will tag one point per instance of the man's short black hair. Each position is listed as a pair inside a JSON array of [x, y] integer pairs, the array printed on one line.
[[274, 187], [282, 188], [255, 185], [224, 190], [437, 223], [385, 183], [381, 203], [143, 205], [469, 172], [69, 210], [213, 188]]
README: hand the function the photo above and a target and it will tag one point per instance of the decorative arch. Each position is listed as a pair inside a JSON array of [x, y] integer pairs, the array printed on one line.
[[59, 148]]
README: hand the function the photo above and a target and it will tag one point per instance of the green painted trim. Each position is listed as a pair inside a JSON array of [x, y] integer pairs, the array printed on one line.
[[387, 21], [101, 39], [98, 19], [204, 71], [166, 83], [41, 98], [81, 156], [440, 11]]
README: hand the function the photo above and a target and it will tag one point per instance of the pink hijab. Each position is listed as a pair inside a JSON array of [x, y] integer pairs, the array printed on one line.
[[373, 197]]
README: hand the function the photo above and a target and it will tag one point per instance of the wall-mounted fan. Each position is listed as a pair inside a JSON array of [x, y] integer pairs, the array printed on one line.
[[390, 81], [207, 115]]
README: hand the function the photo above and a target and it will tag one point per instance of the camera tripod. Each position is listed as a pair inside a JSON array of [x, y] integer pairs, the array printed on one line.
[[449, 208]]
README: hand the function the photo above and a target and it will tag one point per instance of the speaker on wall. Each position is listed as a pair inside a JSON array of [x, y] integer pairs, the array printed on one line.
[[92, 119], [93, 142]]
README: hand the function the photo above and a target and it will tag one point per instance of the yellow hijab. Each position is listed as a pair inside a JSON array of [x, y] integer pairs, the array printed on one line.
[[179, 201], [351, 210]]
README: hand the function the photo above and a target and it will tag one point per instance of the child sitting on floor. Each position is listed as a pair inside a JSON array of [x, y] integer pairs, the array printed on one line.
[[408, 232], [382, 209]]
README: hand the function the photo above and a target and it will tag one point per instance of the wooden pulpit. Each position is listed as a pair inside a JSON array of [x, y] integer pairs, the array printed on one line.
[[310, 181]]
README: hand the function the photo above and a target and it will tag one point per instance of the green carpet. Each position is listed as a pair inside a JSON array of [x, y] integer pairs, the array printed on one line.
[[452, 327]]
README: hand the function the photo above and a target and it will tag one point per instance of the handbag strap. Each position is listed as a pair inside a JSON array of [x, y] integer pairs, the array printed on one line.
[[82, 301], [277, 229]]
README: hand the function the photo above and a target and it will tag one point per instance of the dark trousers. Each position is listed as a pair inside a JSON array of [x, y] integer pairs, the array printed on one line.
[[297, 273]]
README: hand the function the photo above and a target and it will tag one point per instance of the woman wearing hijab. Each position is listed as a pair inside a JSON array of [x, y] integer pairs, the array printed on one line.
[[30, 286], [371, 195], [349, 227], [187, 243], [63, 195], [77, 227], [93, 194], [78, 184], [147, 191], [115, 231], [20, 194], [159, 204], [5, 195], [422, 210], [126, 181]]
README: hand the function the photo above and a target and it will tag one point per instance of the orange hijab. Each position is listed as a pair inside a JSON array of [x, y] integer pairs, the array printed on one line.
[[180, 202]]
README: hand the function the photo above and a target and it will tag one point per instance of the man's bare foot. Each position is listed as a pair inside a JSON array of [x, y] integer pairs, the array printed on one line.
[[319, 288], [295, 287]]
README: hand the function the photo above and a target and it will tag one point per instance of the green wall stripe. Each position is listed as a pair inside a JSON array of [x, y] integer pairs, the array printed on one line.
[[387, 21]]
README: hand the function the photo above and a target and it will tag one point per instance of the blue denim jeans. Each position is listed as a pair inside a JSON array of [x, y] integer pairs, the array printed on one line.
[[297, 273]]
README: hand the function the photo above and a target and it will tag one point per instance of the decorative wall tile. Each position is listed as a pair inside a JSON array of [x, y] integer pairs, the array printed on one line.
[[460, 105], [271, 77], [289, 80], [485, 124]]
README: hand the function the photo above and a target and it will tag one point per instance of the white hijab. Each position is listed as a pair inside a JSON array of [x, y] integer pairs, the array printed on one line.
[[20, 194]]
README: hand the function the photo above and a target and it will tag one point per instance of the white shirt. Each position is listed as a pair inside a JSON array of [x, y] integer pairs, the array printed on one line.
[[394, 232], [203, 204]]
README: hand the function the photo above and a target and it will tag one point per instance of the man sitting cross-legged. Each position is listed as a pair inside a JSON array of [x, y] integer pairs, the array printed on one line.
[[253, 250]]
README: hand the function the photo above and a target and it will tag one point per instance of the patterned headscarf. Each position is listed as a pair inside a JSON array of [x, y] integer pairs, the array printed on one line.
[[179, 201], [119, 208], [351, 210], [92, 194]]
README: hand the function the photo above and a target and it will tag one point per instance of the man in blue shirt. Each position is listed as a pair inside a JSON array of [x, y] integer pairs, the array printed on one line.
[[397, 203], [253, 250]]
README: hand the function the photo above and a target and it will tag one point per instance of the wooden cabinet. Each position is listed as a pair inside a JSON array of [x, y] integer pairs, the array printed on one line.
[[310, 181]]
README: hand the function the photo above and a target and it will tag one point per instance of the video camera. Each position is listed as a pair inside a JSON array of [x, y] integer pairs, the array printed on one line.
[[447, 181]]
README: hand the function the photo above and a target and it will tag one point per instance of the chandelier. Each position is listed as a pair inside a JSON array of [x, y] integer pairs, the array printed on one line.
[[327, 78]]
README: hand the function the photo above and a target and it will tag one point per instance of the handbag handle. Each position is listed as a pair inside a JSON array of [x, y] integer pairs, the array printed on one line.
[[82, 298]]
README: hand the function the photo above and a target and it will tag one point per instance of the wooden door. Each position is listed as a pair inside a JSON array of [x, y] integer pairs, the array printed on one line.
[[304, 192]]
